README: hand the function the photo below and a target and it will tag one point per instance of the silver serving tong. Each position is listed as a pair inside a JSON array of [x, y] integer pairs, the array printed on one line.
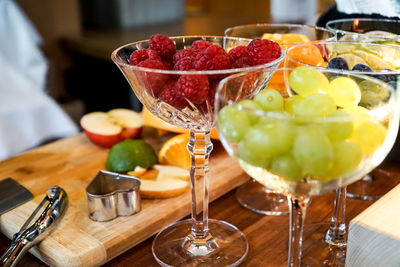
[[34, 231]]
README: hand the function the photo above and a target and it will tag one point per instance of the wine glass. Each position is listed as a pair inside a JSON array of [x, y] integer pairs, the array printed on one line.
[[199, 241], [252, 194], [368, 30], [305, 145], [380, 58]]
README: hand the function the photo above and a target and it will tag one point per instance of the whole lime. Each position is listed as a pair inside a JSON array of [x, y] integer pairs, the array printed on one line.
[[129, 154]]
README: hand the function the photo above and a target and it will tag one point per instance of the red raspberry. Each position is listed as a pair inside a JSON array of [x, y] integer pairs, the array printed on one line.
[[168, 65], [141, 55], [188, 52], [262, 51], [153, 82], [185, 63], [236, 53], [213, 58], [208, 105], [242, 62], [200, 45], [170, 95], [164, 46], [193, 87]]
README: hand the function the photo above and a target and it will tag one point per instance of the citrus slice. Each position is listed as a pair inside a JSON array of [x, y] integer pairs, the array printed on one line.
[[374, 61], [151, 120], [286, 38], [352, 59], [174, 152]]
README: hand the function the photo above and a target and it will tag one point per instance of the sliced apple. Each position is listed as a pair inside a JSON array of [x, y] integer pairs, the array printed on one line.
[[172, 172], [108, 128], [163, 188]]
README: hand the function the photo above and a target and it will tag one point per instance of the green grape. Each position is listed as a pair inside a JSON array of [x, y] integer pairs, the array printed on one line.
[[250, 104], [306, 80], [269, 139], [286, 167], [269, 100], [248, 156], [345, 92], [358, 113], [372, 93], [233, 123], [314, 105], [370, 135], [338, 125], [313, 150], [291, 102], [347, 157]]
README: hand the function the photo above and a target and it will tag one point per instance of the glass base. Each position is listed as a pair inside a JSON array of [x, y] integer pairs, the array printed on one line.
[[225, 246], [253, 196], [373, 186], [317, 252]]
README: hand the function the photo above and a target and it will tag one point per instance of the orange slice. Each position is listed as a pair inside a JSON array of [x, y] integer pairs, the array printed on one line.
[[151, 120], [286, 39], [174, 152]]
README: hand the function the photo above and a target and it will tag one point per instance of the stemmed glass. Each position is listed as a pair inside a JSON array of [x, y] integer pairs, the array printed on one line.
[[298, 148], [380, 57], [369, 30], [252, 194], [199, 241]]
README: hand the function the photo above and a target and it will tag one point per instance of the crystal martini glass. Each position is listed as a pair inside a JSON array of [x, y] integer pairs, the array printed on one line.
[[306, 144], [252, 194], [199, 241], [380, 58]]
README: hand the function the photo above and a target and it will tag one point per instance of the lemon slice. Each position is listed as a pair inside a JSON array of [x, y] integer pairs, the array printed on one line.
[[352, 59], [374, 61]]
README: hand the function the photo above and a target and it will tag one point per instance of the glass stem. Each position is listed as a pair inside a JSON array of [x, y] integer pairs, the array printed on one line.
[[199, 147], [337, 233], [297, 215]]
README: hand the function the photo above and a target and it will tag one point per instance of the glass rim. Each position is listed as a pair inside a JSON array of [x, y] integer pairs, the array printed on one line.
[[288, 117], [119, 62], [284, 25], [330, 22], [349, 71]]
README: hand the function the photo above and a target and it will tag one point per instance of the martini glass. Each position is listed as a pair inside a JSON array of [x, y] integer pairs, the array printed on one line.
[[252, 194], [301, 152], [199, 241], [380, 57]]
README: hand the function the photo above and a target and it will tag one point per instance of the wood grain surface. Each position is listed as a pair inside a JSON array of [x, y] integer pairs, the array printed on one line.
[[267, 235], [78, 241]]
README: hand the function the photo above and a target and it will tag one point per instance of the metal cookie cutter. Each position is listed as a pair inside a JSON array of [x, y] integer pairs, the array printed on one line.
[[112, 194], [32, 232]]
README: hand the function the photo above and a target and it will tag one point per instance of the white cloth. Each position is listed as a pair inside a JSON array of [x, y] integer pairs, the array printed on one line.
[[27, 115], [388, 8]]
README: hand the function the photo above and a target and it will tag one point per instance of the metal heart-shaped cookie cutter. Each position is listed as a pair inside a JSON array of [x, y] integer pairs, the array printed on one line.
[[112, 194]]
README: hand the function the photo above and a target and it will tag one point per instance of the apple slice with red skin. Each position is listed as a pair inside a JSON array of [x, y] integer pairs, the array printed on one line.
[[109, 128]]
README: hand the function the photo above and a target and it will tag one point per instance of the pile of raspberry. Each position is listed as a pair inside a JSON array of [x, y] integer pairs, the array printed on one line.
[[179, 90]]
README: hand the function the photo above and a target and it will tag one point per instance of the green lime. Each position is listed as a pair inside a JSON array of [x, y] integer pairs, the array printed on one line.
[[129, 154]]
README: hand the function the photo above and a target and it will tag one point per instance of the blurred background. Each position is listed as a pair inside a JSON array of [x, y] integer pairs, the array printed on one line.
[[79, 36]]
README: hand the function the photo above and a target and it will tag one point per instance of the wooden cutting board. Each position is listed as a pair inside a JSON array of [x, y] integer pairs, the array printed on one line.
[[78, 241]]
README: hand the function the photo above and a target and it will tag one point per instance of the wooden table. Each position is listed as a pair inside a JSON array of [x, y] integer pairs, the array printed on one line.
[[267, 235]]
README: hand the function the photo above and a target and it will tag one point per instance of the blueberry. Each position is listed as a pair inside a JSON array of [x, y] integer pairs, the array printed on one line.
[[338, 63], [362, 67]]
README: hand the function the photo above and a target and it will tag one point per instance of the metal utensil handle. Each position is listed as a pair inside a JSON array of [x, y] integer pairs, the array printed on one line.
[[32, 232]]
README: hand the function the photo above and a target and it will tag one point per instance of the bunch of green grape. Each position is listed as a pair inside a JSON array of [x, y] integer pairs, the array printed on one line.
[[321, 132]]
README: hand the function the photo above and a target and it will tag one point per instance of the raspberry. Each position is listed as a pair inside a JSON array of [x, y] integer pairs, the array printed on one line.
[[140, 55], [185, 63], [193, 87], [208, 105], [213, 58], [170, 95], [188, 52], [236, 53], [153, 82], [164, 46], [262, 51], [200, 45], [242, 62]]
